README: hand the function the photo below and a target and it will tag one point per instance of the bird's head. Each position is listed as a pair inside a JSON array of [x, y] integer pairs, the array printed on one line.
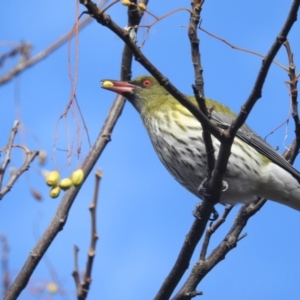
[[144, 92]]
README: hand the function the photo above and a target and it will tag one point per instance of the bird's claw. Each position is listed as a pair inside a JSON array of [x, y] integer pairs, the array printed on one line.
[[225, 186], [196, 213], [203, 190], [215, 215]]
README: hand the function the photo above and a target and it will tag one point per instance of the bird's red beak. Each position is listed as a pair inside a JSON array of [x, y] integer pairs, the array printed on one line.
[[120, 87]]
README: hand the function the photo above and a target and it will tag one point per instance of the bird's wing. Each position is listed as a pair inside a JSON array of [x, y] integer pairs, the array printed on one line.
[[254, 140]]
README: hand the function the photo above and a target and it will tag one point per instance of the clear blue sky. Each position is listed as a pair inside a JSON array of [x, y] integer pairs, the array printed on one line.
[[143, 214]]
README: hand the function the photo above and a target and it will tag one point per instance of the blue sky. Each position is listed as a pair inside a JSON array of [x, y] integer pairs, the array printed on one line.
[[143, 214]]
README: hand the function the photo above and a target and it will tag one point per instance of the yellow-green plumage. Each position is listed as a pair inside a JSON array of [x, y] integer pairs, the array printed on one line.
[[254, 168]]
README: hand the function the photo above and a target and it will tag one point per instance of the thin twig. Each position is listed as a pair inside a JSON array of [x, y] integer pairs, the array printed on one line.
[[294, 96], [240, 48], [8, 150], [157, 19], [212, 229], [13, 178], [61, 214], [24, 64], [83, 289]]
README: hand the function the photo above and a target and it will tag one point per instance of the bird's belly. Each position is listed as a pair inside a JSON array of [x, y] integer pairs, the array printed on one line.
[[185, 159]]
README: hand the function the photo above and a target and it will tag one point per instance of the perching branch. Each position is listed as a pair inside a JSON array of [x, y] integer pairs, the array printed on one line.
[[215, 183], [225, 137], [198, 89]]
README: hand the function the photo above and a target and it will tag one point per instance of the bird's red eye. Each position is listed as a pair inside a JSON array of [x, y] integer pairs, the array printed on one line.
[[147, 83]]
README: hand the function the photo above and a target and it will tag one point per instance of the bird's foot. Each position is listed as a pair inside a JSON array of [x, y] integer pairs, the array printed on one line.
[[215, 215], [225, 186], [202, 189], [197, 214]]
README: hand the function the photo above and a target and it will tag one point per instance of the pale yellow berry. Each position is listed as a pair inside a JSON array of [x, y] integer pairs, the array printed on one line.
[[107, 84], [52, 178], [77, 177], [52, 287], [54, 192], [65, 183], [126, 2], [142, 6]]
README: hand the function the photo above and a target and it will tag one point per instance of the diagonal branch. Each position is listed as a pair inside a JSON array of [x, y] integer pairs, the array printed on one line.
[[225, 137], [214, 185], [61, 214], [106, 21], [26, 62]]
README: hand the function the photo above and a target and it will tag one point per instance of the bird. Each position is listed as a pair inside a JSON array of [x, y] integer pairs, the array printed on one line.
[[254, 168]]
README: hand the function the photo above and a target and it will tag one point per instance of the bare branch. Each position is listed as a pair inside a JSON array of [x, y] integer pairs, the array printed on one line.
[[83, 288], [186, 252], [203, 266], [61, 214], [13, 178], [212, 229], [199, 82], [294, 95], [26, 62], [8, 150], [214, 185], [105, 20]]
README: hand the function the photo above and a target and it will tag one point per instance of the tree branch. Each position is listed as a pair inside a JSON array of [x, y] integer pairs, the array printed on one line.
[[61, 214]]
